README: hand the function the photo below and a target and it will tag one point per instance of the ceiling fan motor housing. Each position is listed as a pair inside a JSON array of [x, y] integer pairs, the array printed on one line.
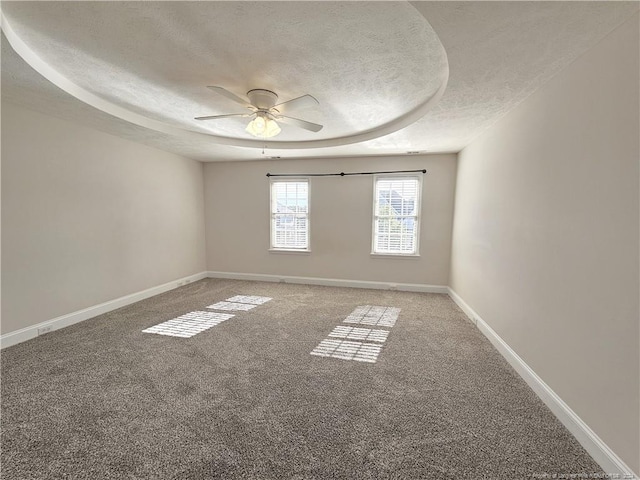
[[262, 99]]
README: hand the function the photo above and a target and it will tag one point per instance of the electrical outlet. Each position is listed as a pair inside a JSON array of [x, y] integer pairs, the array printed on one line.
[[45, 329]]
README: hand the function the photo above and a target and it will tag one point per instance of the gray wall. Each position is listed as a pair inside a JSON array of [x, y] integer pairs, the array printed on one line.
[[237, 220], [88, 217], [545, 243]]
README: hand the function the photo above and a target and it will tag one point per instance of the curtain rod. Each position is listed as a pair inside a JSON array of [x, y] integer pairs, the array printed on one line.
[[341, 174]]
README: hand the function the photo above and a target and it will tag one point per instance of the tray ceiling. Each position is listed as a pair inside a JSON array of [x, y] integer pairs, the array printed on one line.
[[377, 68]]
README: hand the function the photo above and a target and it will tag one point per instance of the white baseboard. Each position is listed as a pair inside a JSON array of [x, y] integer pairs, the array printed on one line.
[[592, 443], [28, 333], [599, 451], [463, 306], [332, 282]]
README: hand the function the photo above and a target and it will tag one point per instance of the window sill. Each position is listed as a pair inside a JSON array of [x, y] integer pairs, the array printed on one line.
[[396, 255], [289, 251]]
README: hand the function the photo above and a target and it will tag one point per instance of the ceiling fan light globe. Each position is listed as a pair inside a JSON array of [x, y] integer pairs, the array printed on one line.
[[263, 127], [258, 125], [272, 129]]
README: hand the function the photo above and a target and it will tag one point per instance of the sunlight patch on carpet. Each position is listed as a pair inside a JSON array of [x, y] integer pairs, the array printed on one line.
[[189, 324], [346, 350], [355, 333], [374, 315], [252, 299], [232, 306]]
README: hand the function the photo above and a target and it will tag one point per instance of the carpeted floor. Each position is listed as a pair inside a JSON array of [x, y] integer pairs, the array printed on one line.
[[245, 399]]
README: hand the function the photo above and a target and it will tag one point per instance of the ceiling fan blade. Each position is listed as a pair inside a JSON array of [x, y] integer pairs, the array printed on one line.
[[304, 101], [296, 122], [231, 96], [213, 117]]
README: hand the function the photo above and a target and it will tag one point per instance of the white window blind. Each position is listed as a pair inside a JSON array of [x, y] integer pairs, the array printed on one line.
[[290, 214], [396, 215]]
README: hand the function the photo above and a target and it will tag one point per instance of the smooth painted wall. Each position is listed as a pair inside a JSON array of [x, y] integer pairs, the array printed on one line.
[[545, 239], [88, 217], [237, 220]]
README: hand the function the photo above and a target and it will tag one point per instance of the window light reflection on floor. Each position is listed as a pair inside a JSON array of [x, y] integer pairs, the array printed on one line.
[[189, 324], [346, 350], [355, 333], [253, 299], [232, 306], [374, 315]]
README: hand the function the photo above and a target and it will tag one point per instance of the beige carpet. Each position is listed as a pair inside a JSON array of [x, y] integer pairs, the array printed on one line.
[[245, 399]]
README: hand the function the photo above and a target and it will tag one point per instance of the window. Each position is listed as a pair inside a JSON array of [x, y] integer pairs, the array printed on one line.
[[290, 214], [396, 215]]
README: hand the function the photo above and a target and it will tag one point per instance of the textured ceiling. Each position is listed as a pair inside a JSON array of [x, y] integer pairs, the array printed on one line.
[[368, 63]]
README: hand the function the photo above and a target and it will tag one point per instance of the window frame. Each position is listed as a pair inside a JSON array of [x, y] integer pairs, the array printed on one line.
[[272, 216], [417, 216]]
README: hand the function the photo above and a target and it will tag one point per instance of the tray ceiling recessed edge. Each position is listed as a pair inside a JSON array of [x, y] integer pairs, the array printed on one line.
[[55, 77]]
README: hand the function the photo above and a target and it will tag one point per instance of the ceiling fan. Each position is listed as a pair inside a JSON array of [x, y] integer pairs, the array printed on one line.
[[266, 113]]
